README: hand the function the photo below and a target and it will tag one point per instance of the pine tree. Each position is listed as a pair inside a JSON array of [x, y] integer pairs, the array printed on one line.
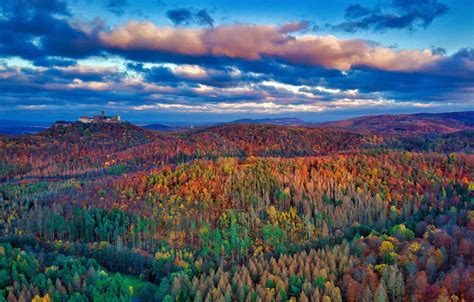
[[397, 285], [303, 297], [381, 294], [366, 294]]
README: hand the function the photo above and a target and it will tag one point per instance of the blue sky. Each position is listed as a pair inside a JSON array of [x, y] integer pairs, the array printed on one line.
[[201, 61]]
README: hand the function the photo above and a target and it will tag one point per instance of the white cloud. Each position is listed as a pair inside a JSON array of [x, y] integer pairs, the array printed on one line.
[[36, 107]]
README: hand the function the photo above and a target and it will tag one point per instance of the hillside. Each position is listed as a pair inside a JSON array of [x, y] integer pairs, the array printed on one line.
[[277, 140], [466, 117], [96, 148], [436, 123], [80, 148]]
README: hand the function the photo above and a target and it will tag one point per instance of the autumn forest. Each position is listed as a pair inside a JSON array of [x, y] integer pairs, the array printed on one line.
[[370, 209]]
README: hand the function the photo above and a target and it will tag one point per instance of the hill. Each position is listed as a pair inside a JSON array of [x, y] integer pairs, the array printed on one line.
[[438, 123], [271, 121], [281, 140], [95, 149], [80, 148], [159, 127], [466, 117]]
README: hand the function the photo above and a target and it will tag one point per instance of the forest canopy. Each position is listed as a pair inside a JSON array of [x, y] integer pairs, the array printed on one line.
[[237, 212]]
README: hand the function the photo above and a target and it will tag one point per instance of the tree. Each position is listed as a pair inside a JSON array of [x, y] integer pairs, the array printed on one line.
[[397, 285], [147, 293], [381, 294], [168, 298], [366, 295], [4, 278], [303, 297]]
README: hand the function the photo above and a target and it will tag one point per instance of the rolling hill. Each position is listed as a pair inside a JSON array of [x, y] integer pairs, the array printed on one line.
[[438, 123]]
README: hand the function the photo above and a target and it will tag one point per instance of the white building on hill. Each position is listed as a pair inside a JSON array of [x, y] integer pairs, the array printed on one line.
[[102, 118]]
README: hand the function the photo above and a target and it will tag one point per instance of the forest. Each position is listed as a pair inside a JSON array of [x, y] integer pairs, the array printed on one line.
[[360, 210]]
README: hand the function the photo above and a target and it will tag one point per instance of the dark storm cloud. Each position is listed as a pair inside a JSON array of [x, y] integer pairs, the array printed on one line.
[[425, 86], [187, 16], [116, 6], [25, 8], [22, 21], [181, 16], [160, 74], [55, 86], [34, 30], [72, 86], [290, 74], [448, 75], [204, 18], [213, 75], [60, 75], [403, 14], [70, 42], [460, 65]]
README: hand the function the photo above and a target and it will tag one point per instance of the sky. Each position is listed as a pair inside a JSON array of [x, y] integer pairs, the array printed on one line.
[[211, 61]]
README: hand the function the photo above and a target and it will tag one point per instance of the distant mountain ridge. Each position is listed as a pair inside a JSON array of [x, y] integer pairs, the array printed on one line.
[[159, 127], [466, 117], [283, 121], [440, 123], [271, 121], [437, 123], [14, 127]]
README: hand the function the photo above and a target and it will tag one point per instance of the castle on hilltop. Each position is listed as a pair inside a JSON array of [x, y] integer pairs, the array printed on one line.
[[102, 118]]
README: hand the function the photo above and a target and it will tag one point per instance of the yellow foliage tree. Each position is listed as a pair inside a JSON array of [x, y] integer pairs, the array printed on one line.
[[386, 247]]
